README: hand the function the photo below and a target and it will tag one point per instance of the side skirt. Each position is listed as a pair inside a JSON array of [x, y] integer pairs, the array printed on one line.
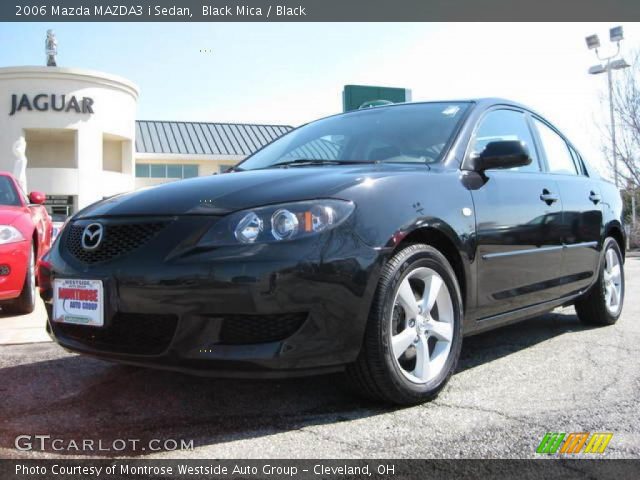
[[502, 319]]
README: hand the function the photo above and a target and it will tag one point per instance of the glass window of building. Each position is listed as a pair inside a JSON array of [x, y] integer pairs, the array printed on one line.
[[189, 171], [142, 170], [172, 170], [158, 171]]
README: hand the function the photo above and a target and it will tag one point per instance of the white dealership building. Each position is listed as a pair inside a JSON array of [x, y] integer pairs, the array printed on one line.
[[83, 142]]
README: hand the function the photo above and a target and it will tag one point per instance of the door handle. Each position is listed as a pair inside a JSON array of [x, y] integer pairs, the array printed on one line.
[[548, 197], [595, 198]]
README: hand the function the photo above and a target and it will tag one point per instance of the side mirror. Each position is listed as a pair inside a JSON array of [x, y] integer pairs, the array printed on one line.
[[37, 198], [501, 154]]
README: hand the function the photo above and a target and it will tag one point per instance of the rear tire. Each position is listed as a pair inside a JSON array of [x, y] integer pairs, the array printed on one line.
[[602, 304], [26, 302], [414, 334]]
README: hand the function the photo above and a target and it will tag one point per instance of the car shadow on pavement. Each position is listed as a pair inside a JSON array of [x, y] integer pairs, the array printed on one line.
[[74, 398], [492, 345]]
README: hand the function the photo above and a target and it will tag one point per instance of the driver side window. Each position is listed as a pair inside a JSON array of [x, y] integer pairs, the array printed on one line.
[[500, 125]]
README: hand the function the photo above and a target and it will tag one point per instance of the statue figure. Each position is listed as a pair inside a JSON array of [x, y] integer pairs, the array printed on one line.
[[20, 165], [51, 48]]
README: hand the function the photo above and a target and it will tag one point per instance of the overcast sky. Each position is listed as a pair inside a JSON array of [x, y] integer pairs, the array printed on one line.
[[293, 73]]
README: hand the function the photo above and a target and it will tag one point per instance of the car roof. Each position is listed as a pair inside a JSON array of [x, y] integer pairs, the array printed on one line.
[[480, 103], [484, 102]]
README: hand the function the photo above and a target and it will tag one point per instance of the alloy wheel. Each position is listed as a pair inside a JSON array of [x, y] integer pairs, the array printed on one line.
[[422, 325], [612, 281]]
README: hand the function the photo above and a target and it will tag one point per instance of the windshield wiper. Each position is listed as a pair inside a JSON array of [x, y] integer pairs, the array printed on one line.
[[301, 162]]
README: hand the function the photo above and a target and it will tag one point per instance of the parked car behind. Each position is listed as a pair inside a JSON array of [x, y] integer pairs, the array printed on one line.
[[25, 236]]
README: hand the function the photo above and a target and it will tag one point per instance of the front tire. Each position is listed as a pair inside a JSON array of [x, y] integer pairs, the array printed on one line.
[[602, 304], [26, 302], [414, 333]]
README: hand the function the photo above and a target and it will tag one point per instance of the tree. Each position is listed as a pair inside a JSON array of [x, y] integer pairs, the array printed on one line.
[[626, 108]]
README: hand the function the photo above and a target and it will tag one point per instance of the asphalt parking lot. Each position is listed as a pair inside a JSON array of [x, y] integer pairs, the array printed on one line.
[[513, 385]]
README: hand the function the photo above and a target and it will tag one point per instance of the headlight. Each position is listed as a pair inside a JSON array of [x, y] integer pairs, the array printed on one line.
[[249, 228], [9, 234], [278, 223], [284, 224]]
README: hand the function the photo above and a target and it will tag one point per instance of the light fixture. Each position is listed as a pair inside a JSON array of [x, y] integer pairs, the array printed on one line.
[[618, 64], [9, 234], [607, 65], [616, 34], [249, 228], [284, 224], [593, 42], [596, 69]]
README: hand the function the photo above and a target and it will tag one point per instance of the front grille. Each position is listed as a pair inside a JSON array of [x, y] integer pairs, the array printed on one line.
[[117, 240], [132, 333], [250, 329]]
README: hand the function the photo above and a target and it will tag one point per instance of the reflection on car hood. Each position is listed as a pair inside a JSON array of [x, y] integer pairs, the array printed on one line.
[[9, 214], [221, 194]]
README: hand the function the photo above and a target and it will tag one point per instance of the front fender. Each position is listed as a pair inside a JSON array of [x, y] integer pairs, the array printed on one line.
[[390, 208], [416, 204]]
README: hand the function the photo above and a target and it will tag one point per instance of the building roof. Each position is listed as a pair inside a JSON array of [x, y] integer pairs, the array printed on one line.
[[198, 138]]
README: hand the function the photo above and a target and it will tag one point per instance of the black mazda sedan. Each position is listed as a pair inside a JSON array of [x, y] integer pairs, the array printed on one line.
[[369, 242]]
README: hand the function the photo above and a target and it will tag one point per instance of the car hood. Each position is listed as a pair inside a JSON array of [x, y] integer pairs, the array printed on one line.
[[8, 214], [222, 194]]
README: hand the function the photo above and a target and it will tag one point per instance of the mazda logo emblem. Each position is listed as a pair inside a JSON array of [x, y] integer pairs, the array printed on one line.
[[92, 236]]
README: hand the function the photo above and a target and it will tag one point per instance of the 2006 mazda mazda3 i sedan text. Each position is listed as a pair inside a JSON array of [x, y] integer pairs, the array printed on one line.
[[370, 241]]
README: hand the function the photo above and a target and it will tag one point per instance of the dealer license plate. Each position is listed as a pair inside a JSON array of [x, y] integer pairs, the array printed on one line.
[[78, 301]]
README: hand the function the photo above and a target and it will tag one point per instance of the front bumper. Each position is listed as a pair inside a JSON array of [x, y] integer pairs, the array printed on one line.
[[261, 310], [14, 257]]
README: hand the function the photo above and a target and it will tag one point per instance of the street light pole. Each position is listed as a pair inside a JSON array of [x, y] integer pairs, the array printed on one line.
[[593, 42], [613, 125], [633, 207]]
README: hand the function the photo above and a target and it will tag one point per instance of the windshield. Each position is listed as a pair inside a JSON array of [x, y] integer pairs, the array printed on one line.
[[8, 194], [412, 133]]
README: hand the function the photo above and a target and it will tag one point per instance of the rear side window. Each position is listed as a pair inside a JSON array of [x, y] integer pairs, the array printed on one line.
[[577, 159], [556, 150], [500, 125], [8, 194]]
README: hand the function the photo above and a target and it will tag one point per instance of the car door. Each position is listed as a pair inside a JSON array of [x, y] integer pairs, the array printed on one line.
[[518, 219], [581, 205]]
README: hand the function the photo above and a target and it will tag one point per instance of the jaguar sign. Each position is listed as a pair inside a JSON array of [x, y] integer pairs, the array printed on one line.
[[44, 102]]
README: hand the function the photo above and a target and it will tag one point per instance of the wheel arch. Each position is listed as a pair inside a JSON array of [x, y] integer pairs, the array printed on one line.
[[36, 250], [36, 241], [616, 231], [445, 244]]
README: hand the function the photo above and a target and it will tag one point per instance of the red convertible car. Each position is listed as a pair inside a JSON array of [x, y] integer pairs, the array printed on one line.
[[25, 236]]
